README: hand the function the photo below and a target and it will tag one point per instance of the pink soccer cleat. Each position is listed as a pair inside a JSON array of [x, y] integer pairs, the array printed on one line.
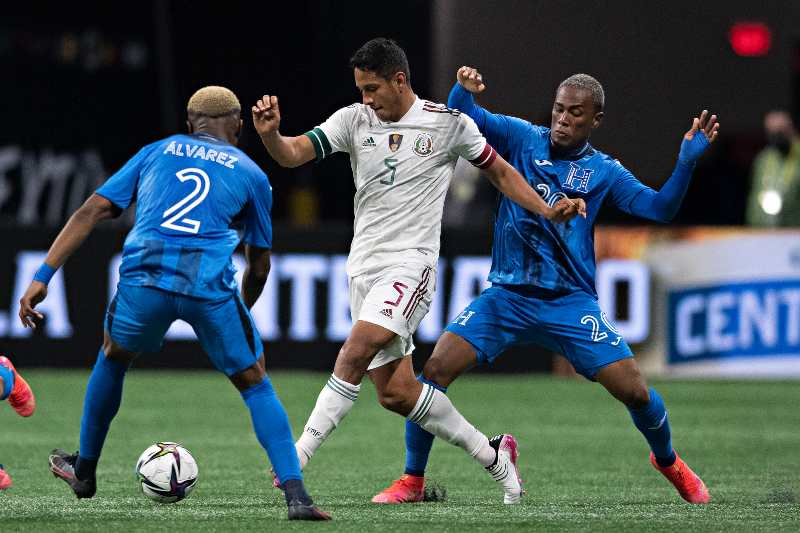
[[21, 398], [5, 479], [689, 485], [505, 470], [407, 489]]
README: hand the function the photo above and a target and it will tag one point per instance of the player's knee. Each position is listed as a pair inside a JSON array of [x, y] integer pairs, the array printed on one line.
[[395, 400], [437, 371], [115, 352], [637, 397], [249, 377], [358, 351]]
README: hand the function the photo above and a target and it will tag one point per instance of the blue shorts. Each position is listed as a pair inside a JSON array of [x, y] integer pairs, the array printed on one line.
[[570, 324], [138, 317]]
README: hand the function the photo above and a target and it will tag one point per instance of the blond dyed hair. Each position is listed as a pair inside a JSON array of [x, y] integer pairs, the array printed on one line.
[[213, 101]]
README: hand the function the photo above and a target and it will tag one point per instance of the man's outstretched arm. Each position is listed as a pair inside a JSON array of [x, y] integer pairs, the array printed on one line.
[[77, 228], [662, 206], [469, 82], [287, 151], [499, 130]]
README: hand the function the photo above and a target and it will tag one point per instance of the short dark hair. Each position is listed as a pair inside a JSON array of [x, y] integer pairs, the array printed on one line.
[[590, 84], [382, 56]]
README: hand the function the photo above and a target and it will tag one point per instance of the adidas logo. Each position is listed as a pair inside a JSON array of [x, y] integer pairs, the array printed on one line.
[[387, 312], [369, 142]]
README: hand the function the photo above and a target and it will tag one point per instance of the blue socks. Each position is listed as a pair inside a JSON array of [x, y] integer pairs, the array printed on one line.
[[103, 397], [7, 375], [273, 430], [418, 441], [652, 421]]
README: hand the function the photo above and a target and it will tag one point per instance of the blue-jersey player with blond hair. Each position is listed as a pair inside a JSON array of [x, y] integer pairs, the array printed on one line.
[[197, 196], [542, 274]]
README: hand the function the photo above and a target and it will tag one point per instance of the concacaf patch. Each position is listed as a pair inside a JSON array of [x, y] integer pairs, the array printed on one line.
[[423, 145], [394, 141]]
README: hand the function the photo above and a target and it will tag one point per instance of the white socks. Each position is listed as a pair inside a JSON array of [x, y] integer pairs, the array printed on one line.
[[333, 403], [435, 413]]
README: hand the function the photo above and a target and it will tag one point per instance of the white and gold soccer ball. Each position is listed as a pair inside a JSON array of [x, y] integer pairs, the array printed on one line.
[[167, 472]]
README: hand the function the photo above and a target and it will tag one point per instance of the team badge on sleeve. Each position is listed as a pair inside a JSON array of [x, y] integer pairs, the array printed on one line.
[[394, 141], [423, 145]]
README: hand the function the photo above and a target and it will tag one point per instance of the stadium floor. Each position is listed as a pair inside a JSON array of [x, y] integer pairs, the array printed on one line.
[[583, 461]]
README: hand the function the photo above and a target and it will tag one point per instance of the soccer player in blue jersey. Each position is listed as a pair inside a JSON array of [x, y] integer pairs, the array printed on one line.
[[193, 191], [542, 274]]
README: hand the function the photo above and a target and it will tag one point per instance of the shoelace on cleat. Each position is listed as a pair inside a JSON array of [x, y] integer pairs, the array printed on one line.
[[498, 472], [688, 483], [402, 482]]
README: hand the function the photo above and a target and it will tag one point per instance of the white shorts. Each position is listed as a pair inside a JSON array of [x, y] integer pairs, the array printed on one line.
[[396, 298]]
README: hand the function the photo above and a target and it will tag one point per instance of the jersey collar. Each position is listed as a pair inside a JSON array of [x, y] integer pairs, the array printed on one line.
[[575, 153], [415, 107], [208, 137]]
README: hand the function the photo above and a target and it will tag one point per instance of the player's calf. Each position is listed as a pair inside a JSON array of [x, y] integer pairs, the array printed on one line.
[[302, 458]]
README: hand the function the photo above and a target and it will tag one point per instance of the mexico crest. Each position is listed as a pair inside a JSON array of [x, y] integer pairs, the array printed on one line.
[[394, 141], [423, 145]]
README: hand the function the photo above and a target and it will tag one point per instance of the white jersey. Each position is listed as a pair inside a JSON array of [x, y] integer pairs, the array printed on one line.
[[402, 171]]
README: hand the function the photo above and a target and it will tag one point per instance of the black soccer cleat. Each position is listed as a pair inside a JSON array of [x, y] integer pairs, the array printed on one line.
[[302, 511], [62, 465]]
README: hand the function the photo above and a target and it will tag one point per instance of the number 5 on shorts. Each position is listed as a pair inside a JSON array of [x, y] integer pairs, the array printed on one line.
[[399, 288]]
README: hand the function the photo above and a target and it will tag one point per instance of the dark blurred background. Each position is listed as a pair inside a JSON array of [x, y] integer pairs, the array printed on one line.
[[88, 83]]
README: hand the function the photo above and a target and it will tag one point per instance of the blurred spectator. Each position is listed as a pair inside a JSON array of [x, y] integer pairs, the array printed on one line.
[[775, 194]]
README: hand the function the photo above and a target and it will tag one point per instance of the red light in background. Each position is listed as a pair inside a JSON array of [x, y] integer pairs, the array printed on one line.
[[750, 39]]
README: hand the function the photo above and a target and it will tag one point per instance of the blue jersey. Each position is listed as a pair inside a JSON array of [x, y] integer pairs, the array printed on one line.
[[529, 249], [192, 193]]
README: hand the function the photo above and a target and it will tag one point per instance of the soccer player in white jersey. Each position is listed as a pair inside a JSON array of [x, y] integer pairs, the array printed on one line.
[[403, 150]]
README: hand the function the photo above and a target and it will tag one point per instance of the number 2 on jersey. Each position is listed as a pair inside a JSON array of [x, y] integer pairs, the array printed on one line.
[[202, 185], [391, 165]]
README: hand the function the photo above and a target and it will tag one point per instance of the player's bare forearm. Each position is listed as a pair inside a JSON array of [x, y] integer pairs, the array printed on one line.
[[288, 152], [78, 227], [252, 286], [255, 275], [511, 183]]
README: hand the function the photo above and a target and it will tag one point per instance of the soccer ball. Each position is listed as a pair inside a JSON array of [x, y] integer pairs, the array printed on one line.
[[167, 472]]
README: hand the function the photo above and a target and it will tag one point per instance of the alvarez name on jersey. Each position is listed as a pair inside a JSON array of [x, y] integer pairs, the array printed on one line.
[[402, 171]]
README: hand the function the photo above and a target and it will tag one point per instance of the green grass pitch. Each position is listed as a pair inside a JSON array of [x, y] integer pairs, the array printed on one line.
[[583, 461]]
